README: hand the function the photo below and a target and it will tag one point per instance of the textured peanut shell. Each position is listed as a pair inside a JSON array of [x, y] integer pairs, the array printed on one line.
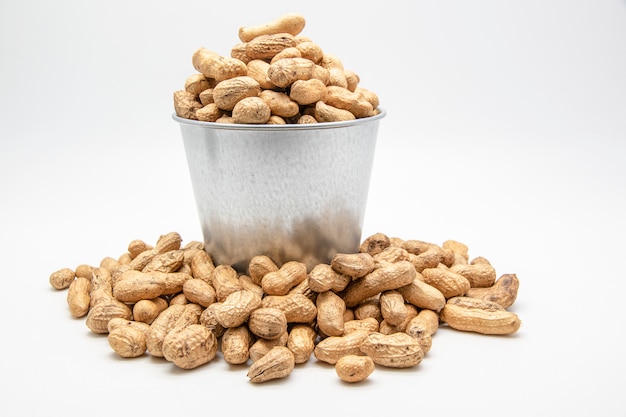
[[479, 316], [426, 322], [298, 308], [259, 266], [292, 23], [99, 315], [225, 281], [268, 45], [61, 279], [448, 282], [330, 312], [236, 308], [478, 275], [251, 110], [374, 244], [202, 266], [301, 341], [389, 277], [324, 278], [159, 328], [228, 92], [268, 323], [423, 295], [257, 69], [391, 254], [190, 347], [398, 350], [282, 105], [235, 344], [332, 348], [261, 346], [392, 307], [283, 72], [387, 328], [354, 368], [78, 298], [355, 265], [503, 291], [214, 66], [277, 363], [199, 292], [288, 276], [127, 341], [369, 324]]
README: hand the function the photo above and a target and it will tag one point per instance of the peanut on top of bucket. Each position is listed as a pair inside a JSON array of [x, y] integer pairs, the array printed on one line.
[[274, 75]]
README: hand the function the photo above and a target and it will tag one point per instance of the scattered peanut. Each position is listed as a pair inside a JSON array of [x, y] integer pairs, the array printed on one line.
[[380, 306], [273, 57]]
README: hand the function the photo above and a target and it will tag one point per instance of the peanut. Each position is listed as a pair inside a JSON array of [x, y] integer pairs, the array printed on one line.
[[268, 323], [190, 347], [78, 298], [288, 276], [292, 23], [332, 348], [146, 311], [330, 311], [236, 342], [503, 291], [261, 346], [251, 110], [236, 308], [398, 350], [217, 67], [127, 341], [448, 282], [479, 316], [389, 277], [301, 342], [267, 46], [277, 363], [355, 265], [61, 279], [354, 368]]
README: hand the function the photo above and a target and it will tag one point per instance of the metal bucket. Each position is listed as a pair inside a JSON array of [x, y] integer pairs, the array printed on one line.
[[291, 192]]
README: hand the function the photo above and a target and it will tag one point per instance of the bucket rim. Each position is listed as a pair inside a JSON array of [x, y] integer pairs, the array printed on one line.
[[269, 127]]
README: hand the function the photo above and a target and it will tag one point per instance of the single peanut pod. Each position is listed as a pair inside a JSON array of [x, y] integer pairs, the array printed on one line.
[[355, 265], [301, 342], [374, 244], [284, 72], [257, 69], [398, 350], [291, 52], [179, 299], [236, 308], [368, 95], [190, 347], [196, 83], [325, 113], [225, 281], [479, 316], [239, 52], [214, 66], [370, 324], [167, 242], [391, 254], [423, 295], [260, 347], [306, 92], [134, 285], [306, 119], [277, 363], [83, 271], [330, 311], [353, 80], [127, 341], [426, 322], [478, 275], [247, 284], [109, 263], [199, 292], [267, 322], [61, 279], [457, 247], [186, 104], [337, 78], [324, 278], [310, 50], [503, 291], [137, 246], [118, 322], [342, 98], [78, 297], [354, 368], [209, 112], [206, 98], [230, 91], [387, 328], [332, 348], [298, 308], [99, 315], [202, 266], [165, 262], [292, 23], [370, 307], [449, 283], [260, 265], [124, 259], [159, 328], [267, 46], [208, 319], [392, 307], [276, 120], [251, 110], [146, 311], [389, 277], [235, 345], [288, 276]]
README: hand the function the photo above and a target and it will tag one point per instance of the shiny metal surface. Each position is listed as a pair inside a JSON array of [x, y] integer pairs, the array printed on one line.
[[291, 192]]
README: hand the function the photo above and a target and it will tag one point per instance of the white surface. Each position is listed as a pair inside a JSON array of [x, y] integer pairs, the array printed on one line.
[[505, 131]]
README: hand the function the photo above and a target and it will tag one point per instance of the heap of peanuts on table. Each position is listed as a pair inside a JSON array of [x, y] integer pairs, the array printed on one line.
[[275, 75], [379, 306]]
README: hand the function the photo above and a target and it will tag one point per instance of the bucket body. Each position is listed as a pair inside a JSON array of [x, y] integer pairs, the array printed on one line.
[[291, 192]]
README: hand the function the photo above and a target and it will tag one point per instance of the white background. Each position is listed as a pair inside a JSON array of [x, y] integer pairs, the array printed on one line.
[[505, 130]]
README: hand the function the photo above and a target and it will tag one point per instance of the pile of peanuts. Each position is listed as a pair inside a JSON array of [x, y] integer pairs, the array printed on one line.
[[274, 75], [379, 306]]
